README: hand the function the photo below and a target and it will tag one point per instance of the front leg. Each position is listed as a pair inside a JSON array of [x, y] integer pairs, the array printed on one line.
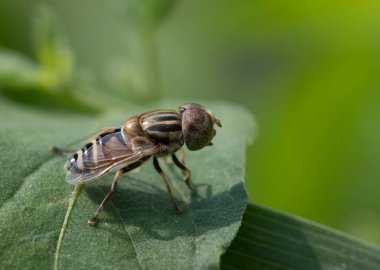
[[185, 171], [182, 155], [165, 179]]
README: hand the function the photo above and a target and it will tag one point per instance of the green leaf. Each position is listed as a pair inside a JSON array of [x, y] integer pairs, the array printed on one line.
[[139, 228], [268, 239], [53, 51], [53, 70], [51, 82], [146, 15], [16, 70]]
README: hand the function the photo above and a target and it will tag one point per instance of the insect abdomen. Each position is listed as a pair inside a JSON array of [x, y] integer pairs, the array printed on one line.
[[106, 146], [162, 125]]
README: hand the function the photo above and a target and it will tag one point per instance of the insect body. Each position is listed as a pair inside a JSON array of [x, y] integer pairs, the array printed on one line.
[[152, 134]]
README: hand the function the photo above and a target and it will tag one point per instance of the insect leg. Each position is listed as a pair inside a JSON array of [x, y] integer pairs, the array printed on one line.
[[92, 221], [163, 175], [182, 156], [169, 161], [185, 171], [59, 151]]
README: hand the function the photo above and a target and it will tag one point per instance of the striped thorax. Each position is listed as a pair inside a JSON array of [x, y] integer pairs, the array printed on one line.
[[162, 126]]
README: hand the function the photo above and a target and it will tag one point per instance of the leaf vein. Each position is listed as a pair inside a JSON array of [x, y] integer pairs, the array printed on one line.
[[126, 230], [255, 258], [74, 196], [268, 246], [316, 234]]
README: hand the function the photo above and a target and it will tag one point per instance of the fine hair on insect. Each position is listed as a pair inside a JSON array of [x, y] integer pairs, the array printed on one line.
[[152, 134]]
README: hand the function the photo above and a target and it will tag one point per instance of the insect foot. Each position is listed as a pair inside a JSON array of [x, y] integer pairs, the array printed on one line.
[[92, 221]]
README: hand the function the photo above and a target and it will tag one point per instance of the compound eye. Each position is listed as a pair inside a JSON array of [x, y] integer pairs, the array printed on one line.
[[197, 127]]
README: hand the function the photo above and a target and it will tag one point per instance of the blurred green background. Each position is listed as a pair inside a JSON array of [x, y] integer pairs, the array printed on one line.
[[308, 71]]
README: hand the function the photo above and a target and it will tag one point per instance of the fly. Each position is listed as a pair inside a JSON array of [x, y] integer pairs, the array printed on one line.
[[151, 134]]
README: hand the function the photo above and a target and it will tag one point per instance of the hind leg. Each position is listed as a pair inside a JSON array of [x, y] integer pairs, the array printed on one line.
[[59, 151]]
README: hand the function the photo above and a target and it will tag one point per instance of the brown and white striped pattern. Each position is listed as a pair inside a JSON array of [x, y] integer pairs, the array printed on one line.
[[111, 144]]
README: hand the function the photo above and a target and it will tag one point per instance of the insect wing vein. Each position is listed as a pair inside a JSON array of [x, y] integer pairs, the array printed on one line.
[[76, 176]]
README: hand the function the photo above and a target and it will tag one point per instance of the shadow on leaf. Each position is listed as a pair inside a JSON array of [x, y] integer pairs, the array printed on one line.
[[138, 203]]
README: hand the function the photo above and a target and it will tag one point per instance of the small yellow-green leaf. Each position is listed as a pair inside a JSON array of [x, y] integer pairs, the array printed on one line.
[[53, 51], [16, 70]]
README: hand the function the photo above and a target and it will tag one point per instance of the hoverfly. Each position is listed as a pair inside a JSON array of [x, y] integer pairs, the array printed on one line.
[[151, 134]]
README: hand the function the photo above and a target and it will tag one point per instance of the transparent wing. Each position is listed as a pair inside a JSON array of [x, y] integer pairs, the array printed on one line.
[[109, 153], [88, 138]]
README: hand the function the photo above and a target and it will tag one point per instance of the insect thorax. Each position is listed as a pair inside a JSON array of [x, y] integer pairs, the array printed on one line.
[[163, 126]]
